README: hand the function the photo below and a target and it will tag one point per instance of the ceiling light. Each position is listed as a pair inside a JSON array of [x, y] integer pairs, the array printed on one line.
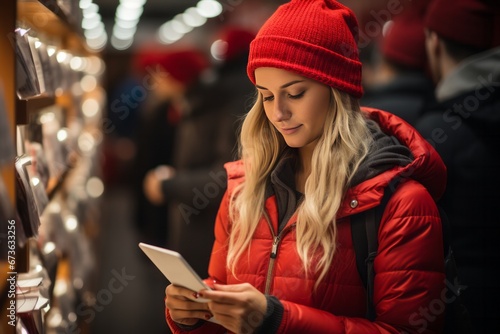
[[90, 10], [125, 13], [209, 8], [181, 27], [133, 2], [96, 32], [168, 34], [126, 23], [193, 18], [124, 33], [121, 44], [84, 4], [97, 43], [91, 22]]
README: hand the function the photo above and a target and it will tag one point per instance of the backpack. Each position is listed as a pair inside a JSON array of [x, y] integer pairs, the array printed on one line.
[[364, 230]]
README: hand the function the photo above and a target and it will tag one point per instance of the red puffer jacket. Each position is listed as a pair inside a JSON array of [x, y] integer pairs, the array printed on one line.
[[409, 266]]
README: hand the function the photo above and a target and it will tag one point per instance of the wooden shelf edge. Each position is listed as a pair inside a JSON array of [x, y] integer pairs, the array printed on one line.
[[8, 176], [24, 108]]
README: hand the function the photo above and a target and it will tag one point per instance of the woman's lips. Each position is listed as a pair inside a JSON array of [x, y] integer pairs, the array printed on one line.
[[289, 131]]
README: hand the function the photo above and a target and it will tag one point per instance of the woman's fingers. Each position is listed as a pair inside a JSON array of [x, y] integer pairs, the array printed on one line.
[[239, 307], [182, 308], [231, 294], [181, 292], [186, 317], [175, 303]]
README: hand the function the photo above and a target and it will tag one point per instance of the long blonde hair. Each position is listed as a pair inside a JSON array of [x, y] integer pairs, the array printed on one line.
[[341, 148]]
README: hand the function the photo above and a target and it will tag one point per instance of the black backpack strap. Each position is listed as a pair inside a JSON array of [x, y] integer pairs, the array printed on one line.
[[364, 231], [457, 317]]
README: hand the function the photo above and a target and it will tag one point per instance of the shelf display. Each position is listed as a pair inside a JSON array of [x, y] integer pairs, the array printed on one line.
[[29, 220], [29, 74], [50, 142]]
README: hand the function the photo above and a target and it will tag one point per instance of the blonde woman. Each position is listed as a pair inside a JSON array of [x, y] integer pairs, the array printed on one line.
[[283, 259]]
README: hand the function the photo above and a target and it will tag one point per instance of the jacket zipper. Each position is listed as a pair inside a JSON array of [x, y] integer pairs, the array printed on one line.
[[271, 266], [274, 252]]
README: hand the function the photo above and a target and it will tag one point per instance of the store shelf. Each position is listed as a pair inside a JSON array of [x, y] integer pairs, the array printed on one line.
[[57, 160], [25, 108], [8, 177], [47, 18], [55, 184], [7, 77]]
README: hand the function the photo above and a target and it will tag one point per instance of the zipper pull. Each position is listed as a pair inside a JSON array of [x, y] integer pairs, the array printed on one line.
[[275, 247]]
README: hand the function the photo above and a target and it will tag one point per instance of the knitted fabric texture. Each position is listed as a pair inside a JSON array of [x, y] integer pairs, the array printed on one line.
[[313, 38]]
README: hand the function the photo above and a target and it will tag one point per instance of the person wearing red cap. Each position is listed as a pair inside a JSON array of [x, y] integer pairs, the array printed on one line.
[[194, 182], [463, 45], [401, 83], [310, 158], [168, 74]]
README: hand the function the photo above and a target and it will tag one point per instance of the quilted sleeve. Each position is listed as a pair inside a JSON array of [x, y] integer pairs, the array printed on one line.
[[410, 280]]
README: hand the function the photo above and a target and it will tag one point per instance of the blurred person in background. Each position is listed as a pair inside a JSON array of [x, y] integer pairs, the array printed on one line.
[[400, 82], [283, 260], [463, 45], [120, 123], [169, 76], [193, 184]]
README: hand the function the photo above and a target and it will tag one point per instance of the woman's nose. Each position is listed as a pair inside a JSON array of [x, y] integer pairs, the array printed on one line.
[[280, 111]]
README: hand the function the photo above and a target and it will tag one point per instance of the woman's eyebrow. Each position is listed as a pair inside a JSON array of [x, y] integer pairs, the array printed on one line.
[[288, 84]]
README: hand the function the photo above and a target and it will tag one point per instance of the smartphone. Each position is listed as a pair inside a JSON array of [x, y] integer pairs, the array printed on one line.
[[175, 268]]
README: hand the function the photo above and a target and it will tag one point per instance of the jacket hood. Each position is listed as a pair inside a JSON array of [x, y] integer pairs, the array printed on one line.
[[385, 153], [472, 92], [471, 75], [426, 166]]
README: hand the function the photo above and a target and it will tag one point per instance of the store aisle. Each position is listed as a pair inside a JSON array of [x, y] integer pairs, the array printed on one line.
[[130, 289]]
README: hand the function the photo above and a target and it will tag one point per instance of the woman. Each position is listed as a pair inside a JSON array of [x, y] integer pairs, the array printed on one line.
[[283, 259]]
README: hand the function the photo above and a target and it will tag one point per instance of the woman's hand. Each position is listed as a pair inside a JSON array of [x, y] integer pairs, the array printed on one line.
[[240, 308], [182, 308]]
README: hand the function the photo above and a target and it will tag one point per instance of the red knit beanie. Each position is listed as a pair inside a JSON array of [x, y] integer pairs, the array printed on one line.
[[313, 38], [474, 23], [184, 65], [237, 41], [404, 42]]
